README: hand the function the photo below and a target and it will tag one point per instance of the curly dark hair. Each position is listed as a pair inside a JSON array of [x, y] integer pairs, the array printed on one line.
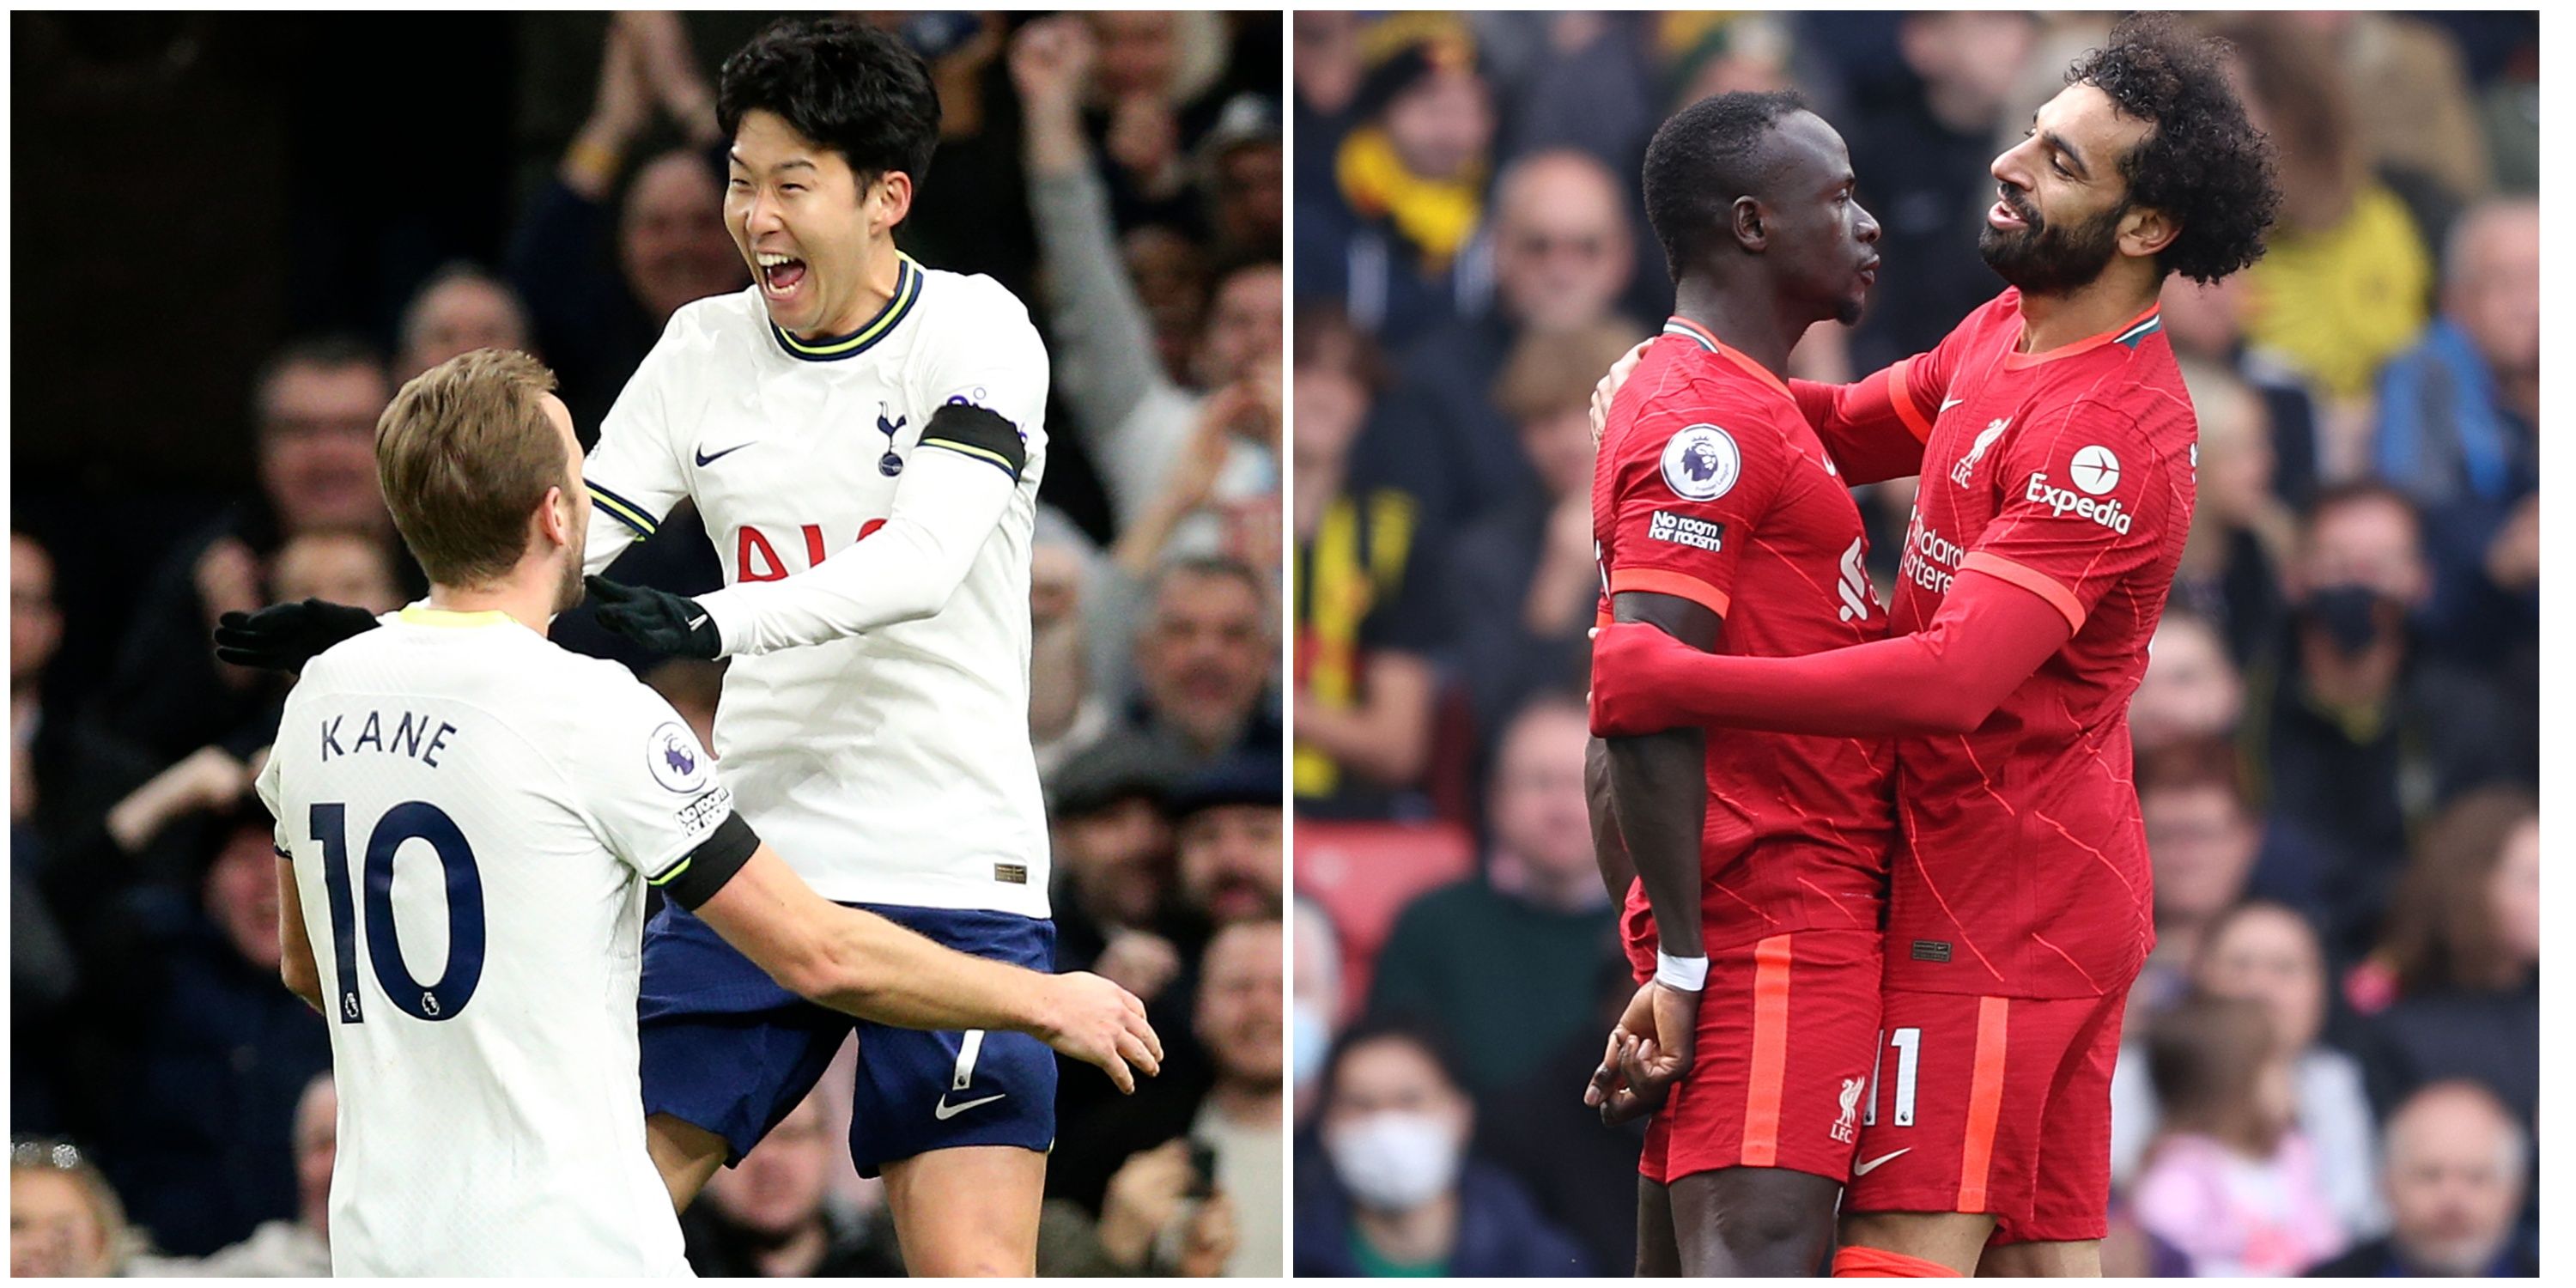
[[1700, 161], [2203, 163], [853, 88]]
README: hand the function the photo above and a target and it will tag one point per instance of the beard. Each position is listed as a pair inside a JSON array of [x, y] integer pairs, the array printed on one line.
[[568, 588], [2050, 259]]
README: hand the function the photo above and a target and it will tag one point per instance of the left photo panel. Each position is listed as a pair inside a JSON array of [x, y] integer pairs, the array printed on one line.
[[671, 664]]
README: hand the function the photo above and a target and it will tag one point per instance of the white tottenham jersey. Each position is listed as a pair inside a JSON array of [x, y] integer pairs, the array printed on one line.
[[473, 814], [881, 743]]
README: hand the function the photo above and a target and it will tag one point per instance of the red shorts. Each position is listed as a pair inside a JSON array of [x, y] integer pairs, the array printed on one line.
[[1786, 1026], [1993, 1104]]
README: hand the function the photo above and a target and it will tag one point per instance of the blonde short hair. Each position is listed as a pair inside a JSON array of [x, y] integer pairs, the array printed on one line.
[[465, 452]]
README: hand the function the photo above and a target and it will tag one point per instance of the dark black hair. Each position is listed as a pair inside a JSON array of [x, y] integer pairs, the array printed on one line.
[[853, 88], [1410, 1029], [2203, 163], [1700, 161]]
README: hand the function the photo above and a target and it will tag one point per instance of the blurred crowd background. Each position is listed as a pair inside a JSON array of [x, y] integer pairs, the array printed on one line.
[[310, 209], [2333, 1056]]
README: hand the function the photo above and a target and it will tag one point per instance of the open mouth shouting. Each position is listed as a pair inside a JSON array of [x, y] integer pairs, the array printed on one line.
[[780, 275]]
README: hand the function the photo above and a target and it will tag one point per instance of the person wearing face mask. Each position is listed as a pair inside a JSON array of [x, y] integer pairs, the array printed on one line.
[[1395, 1192], [2360, 735]]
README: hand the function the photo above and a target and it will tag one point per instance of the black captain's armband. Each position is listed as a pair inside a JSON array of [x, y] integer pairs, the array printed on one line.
[[695, 879], [978, 432]]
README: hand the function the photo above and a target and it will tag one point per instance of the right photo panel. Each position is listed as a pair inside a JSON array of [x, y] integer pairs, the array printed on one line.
[[1915, 643]]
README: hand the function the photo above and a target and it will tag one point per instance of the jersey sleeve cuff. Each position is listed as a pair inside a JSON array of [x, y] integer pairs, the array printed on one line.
[[733, 619], [1663, 581], [703, 871], [2030, 579], [642, 521]]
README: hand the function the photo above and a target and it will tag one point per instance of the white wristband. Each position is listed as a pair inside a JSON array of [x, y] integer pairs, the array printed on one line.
[[1688, 974]]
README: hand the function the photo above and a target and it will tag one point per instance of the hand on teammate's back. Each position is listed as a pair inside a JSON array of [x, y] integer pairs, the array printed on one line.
[[656, 619], [1097, 1022], [283, 637]]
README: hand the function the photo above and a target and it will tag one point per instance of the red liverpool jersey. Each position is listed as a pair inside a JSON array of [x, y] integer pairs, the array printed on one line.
[[1711, 486], [2023, 869]]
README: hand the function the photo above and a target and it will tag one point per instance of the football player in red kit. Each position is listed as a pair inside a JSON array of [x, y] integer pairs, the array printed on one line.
[[1760, 859], [2056, 448]]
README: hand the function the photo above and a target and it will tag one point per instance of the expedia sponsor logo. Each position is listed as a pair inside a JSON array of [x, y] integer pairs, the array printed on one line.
[[2065, 500], [1931, 560], [1683, 530]]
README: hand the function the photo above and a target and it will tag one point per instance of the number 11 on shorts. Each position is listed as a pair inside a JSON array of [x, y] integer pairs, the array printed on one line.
[[1909, 1049]]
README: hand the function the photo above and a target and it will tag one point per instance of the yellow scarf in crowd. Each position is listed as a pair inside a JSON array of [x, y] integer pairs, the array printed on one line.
[[1436, 215]]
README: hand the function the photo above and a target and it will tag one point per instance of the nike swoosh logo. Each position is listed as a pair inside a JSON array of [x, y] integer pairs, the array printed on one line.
[[697, 621], [705, 460], [1864, 1169], [1946, 404], [945, 1111]]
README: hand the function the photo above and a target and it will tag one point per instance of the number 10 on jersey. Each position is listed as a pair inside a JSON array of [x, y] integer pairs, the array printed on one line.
[[409, 821]]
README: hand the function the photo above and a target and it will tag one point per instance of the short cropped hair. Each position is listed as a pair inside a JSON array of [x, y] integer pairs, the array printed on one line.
[[853, 88], [1700, 161], [2203, 163], [465, 453]]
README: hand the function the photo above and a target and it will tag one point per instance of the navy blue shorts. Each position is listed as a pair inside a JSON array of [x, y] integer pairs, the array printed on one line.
[[727, 1049]]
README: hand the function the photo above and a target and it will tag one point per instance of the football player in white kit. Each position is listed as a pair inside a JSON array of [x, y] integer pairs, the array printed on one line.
[[864, 438], [469, 816]]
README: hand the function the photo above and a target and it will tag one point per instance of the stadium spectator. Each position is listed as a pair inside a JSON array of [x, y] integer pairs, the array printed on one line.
[[1131, 418], [2462, 956], [1148, 1224], [1562, 252], [1397, 1193], [1067, 711], [2269, 953], [1242, 175], [2191, 692], [1228, 831], [2207, 324], [2458, 432], [64, 1220], [1526, 578], [296, 1248], [1326, 73], [600, 274], [1555, 1145], [214, 1056], [2241, 530], [343, 567], [1112, 846], [2343, 283], [1920, 153], [316, 406], [2201, 842], [2454, 1180], [2351, 724], [2411, 105], [1369, 596], [1204, 654], [1390, 237], [2231, 1183], [1502, 1013], [459, 309], [769, 1216], [1135, 1161]]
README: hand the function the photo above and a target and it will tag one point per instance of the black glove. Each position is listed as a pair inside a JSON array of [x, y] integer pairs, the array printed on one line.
[[656, 619], [283, 637]]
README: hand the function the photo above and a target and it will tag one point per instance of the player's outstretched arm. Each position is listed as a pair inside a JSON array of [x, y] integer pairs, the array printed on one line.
[[1659, 795], [955, 490], [863, 964], [1988, 637], [283, 637]]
